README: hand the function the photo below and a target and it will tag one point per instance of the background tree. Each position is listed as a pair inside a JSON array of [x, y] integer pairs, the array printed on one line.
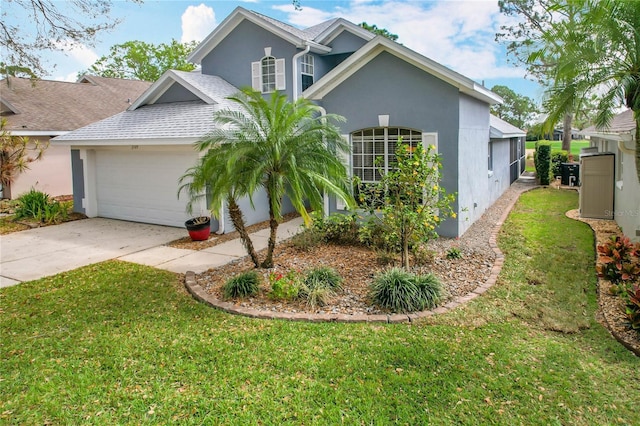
[[528, 46], [143, 61], [379, 31], [282, 147], [49, 25], [601, 55], [15, 156], [518, 110]]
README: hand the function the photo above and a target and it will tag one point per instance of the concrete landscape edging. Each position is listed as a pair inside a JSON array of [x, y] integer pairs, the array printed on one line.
[[200, 294]]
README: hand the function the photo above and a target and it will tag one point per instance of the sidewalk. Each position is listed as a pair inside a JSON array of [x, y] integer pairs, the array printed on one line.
[[182, 260]]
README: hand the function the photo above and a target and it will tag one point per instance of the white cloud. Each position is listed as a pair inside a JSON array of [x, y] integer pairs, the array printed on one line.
[[82, 54], [197, 23], [457, 34]]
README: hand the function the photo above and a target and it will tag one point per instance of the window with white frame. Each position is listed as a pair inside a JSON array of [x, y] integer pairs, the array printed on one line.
[[374, 150], [306, 69], [267, 74]]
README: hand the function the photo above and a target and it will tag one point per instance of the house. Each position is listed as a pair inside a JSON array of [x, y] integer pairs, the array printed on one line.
[[506, 141], [619, 139], [128, 165], [43, 109]]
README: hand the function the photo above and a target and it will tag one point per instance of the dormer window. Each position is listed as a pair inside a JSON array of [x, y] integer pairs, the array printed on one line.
[[306, 69], [267, 74]]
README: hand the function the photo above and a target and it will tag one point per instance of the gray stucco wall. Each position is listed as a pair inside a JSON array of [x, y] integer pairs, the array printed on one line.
[[346, 42], [412, 99], [232, 58], [473, 191], [77, 177], [255, 215], [500, 180]]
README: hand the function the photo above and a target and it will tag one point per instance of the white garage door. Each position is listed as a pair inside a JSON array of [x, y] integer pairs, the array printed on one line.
[[142, 186]]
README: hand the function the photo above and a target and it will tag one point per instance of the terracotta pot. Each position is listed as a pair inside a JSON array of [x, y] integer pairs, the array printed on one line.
[[199, 228]]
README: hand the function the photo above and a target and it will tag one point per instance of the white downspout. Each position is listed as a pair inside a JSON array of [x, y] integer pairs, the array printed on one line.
[[294, 69]]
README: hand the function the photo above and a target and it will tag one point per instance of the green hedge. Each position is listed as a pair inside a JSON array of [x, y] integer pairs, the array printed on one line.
[[558, 157], [542, 160]]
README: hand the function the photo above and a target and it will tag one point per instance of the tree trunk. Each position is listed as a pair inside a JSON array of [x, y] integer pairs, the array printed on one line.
[[273, 225], [566, 132], [238, 222]]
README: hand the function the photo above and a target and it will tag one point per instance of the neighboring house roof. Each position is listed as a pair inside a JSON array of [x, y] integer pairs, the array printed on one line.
[[147, 122], [47, 107], [380, 44], [500, 129], [622, 126], [315, 36]]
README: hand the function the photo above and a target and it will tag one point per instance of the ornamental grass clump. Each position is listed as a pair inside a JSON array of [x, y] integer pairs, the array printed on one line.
[[401, 291], [242, 285], [320, 285]]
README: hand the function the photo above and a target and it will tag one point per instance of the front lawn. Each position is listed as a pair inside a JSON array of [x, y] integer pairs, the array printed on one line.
[[118, 343], [576, 145]]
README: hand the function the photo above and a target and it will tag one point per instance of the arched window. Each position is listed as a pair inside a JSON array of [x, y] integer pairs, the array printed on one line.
[[374, 150], [267, 74]]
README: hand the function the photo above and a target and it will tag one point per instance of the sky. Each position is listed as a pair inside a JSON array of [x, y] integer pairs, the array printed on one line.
[[459, 34]]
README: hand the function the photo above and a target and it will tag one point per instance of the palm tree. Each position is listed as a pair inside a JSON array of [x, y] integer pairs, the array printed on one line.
[[601, 54], [282, 147]]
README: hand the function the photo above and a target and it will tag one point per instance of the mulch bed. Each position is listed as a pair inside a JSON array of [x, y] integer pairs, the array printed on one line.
[[611, 312]]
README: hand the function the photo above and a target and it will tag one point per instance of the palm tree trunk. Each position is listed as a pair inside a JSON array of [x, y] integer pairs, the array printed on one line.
[[566, 132], [238, 222], [273, 226]]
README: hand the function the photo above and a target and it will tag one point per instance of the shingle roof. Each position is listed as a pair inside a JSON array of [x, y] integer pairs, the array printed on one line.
[[621, 123], [154, 122], [47, 105], [286, 27]]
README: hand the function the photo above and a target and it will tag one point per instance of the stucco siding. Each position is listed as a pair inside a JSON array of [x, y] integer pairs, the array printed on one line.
[[412, 99], [473, 191], [232, 57], [499, 180], [177, 93], [50, 174], [77, 174], [346, 42]]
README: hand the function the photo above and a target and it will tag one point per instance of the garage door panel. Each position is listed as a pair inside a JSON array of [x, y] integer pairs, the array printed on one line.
[[142, 186]]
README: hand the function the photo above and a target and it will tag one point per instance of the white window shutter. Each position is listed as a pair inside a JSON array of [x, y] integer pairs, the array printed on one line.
[[430, 138], [280, 77], [345, 157], [256, 76]]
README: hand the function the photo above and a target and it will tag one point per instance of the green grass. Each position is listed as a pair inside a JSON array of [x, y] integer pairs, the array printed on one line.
[[118, 343], [557, 145]]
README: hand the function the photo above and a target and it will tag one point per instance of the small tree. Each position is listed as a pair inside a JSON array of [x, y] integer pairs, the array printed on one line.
[[14, 155], [414, 203]]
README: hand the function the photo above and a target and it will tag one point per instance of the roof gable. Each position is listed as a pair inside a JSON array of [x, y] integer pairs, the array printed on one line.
[[297, 37], [193, 82], [337, 27], [381, 44]]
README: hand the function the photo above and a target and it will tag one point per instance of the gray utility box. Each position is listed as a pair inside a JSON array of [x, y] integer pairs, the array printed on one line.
[[597, 179]]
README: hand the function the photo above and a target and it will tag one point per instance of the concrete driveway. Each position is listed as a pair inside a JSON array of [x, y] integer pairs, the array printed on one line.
[[41, 252]]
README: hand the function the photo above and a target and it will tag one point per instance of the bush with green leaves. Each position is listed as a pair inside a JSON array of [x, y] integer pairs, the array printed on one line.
[[454, 253], [242, 285], [307, 239], [632, 308], [558, 157], [401, 291], [40, 206], [542, 160], [619, 260], [285, 286], [320, 285], [337, 228]]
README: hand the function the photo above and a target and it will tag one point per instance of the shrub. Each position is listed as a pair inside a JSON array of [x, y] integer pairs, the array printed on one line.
[[430, 288], [242, 285], [619, 260], [542, 159], [337, 228], [632, 308], [40, 206], [454, 253], [285, 286], [318, 296], [401, 291], [373, 234], [307, 239], [557, 158], [422, 255], [323, 277]]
